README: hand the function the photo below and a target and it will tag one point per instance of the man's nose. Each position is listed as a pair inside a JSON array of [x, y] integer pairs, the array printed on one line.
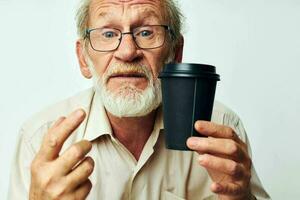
[[128, 51]]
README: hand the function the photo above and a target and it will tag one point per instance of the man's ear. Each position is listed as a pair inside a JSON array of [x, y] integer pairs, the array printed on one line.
[[84, 68], [179, 50]]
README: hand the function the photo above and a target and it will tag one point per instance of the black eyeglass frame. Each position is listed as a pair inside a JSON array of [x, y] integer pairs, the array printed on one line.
[[88, 31]]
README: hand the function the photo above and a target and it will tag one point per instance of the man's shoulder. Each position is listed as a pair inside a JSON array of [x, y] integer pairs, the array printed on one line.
[[225, 116], [46, 117], [222, 114]]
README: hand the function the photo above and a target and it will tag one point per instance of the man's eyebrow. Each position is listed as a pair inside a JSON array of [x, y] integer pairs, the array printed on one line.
[[149, 13], [104, 14]]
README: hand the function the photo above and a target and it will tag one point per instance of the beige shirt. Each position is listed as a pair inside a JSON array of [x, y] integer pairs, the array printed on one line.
[[158, 174]]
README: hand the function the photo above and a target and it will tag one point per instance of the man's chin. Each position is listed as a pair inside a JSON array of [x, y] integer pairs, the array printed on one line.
[[130, 103], [128, 116]]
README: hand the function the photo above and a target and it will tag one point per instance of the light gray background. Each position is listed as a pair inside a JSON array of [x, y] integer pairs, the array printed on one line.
[[254, 44]]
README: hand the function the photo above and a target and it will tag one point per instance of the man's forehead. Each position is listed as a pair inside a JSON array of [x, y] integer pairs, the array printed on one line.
[[147, 8], [146, 3], [127, 1]]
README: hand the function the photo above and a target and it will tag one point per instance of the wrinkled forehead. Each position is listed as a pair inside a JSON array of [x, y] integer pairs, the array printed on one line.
[[156, 3], [127, 10]]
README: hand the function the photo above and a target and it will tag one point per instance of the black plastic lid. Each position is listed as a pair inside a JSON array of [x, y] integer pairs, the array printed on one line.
[[189, 70]]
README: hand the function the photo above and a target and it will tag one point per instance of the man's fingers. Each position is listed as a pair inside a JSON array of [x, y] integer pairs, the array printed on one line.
[[215, 130], [74, 154], [226, 166], [83, 190], [230, 189], [80, 174], [56, 136], [58, 122], [226, 148]]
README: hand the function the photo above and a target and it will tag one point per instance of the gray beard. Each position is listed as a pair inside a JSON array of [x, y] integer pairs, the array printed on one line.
[[128, 100]]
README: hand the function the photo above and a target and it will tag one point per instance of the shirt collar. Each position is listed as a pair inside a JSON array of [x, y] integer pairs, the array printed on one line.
[[97, 121], [159, 119], [158, 127]]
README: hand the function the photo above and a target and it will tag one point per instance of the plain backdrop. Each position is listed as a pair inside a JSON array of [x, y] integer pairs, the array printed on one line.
[[254, 44]]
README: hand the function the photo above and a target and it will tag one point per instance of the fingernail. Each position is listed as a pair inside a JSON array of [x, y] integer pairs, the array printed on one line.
[[192, 142], [196, 124], [79, 113], [199, 124]]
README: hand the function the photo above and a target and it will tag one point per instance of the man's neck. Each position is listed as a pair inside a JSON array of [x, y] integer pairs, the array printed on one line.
[[133, 132]]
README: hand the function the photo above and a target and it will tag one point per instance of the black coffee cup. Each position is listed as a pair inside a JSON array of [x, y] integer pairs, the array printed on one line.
[[188, 92]]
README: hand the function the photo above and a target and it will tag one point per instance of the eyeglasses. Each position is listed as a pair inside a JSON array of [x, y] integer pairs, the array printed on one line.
[[145, 37]]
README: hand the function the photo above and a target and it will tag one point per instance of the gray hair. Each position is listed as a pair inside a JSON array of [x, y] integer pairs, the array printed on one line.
[[173, 13]]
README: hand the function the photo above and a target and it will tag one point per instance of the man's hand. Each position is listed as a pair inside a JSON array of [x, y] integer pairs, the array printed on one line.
[[64, 176], [226, 159]]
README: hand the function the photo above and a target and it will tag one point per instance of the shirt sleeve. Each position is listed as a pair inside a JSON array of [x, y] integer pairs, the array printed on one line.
[[20, 171], [257, 190]]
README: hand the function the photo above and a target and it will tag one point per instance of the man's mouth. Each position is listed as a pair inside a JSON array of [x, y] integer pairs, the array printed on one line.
[[128, 75]]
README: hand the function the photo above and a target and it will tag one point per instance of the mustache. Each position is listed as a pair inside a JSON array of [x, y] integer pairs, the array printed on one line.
[[128, 70]]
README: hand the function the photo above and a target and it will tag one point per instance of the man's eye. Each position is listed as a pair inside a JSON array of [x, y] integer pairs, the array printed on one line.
[[145, 33], [109, 34]]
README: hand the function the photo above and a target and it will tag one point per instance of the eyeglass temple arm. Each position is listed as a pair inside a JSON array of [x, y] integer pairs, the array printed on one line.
[[86, 33]]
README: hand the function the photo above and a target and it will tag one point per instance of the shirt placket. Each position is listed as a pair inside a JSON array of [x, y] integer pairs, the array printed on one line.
[[137, 166], [146, 154]]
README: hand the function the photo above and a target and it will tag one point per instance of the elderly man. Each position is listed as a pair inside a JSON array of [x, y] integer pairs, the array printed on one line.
[[110, 145]]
